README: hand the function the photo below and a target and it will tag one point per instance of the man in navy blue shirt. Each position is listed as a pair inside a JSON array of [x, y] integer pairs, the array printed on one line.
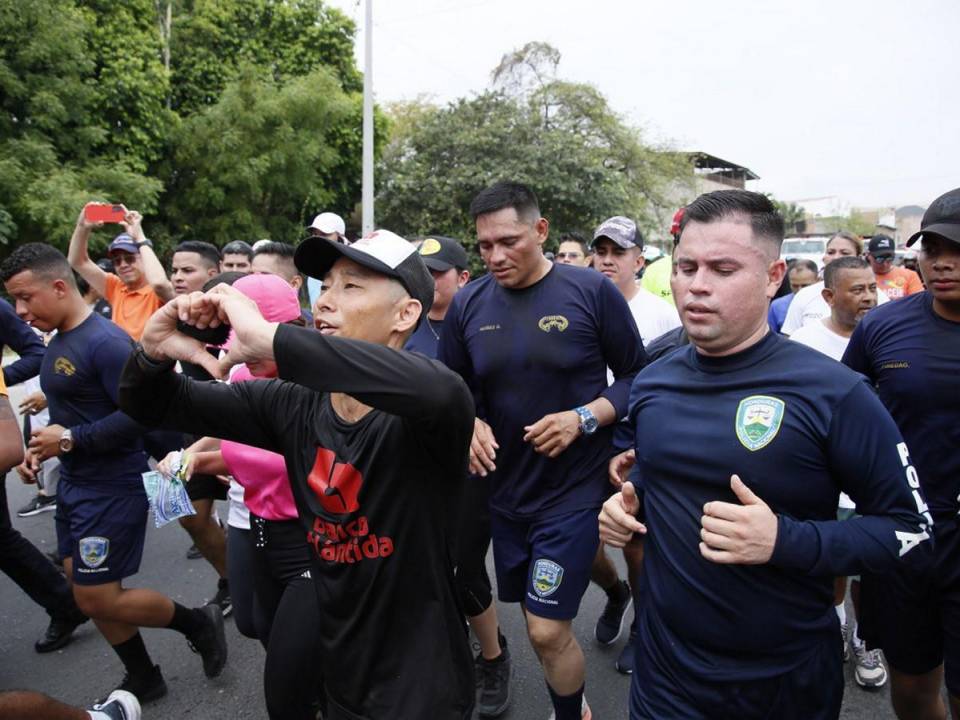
[[101, 506], [910, 350], [447, 262], [534, 340], [743, 443]]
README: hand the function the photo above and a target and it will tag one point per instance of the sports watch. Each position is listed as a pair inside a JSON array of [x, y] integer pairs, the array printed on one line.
[[588, 421], [66, 441]]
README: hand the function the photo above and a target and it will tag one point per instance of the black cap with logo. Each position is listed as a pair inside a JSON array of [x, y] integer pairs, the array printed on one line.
[[882, 246], [941, 218], [442, 253]]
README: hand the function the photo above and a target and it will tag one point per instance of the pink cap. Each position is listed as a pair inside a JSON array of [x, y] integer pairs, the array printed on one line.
[[275, 298]]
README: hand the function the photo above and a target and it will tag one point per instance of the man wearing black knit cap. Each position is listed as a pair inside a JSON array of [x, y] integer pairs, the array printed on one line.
[[375, 441]]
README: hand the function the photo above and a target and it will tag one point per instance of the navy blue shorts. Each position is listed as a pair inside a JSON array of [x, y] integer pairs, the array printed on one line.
[[103, 533], [545, 563], [914, 615], [813, 690]]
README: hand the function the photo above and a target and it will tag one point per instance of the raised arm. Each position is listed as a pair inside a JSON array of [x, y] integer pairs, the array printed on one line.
[[153, 270], [79, 257]]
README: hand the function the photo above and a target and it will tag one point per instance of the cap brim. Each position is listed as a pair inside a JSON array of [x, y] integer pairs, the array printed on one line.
[[125, 247], [948, 231], [436, 264], [316, 255], [619, 243]]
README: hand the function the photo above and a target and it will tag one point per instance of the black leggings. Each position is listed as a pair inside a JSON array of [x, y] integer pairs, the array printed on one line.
[[283, 613], [473, 540]]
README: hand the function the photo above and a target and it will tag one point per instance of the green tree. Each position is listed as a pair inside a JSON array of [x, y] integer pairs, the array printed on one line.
[[265, 157], [793, 215], [563, 139]]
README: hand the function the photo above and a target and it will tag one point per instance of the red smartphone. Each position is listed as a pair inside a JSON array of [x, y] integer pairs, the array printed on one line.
[[104, 212]]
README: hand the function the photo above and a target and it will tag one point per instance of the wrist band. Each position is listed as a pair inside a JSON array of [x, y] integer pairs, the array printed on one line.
[[149, 365]]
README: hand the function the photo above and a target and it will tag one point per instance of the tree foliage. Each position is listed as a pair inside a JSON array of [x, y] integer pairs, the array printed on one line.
[[563, 139]]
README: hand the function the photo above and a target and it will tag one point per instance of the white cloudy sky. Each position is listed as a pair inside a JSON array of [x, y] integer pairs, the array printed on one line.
[[853, 98]]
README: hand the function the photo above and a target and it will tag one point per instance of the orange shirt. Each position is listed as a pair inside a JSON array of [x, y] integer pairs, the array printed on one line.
[[131, 308], [899, 283]]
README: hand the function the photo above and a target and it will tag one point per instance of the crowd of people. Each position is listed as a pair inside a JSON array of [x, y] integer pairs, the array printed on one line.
[[759, 440]]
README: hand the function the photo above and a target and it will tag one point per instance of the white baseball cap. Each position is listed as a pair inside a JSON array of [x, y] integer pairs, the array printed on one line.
[[329, 223]]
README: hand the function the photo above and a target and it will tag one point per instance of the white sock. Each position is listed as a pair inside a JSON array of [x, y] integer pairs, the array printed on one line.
[[855, 636], [841, 613]]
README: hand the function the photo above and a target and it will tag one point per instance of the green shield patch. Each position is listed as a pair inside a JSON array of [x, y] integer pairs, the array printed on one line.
[[758, 420]]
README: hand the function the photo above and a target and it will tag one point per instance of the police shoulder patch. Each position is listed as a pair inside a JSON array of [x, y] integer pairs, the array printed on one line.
[[94, 550], [547, 576], [758, 420]]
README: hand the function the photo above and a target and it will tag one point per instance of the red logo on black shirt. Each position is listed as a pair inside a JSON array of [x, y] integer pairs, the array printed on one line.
[[336, 485]]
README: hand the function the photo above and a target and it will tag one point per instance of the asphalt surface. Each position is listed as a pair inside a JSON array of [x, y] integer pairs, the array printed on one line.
[[88, 668]]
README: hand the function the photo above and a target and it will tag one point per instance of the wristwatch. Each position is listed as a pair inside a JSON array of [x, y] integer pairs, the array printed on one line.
[[588, 421], [146, 241], [66, 441]]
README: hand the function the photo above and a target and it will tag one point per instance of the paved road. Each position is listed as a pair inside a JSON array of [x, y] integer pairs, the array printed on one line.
[[87, 667]]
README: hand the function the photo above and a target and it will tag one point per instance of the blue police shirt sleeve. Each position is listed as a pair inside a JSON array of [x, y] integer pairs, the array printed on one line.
[[871, 464], [24, 341], [116, 430], [621, 345], [856, 356]]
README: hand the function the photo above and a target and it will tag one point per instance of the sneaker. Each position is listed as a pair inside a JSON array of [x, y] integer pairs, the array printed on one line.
[[39, 504], [585, 713], [120, 705], [211, 642], [145, 689], [493, 680], [845, 639], [610, 624], [59, 632], [624, 663], [869, 671], [193, 553], [222, 598]]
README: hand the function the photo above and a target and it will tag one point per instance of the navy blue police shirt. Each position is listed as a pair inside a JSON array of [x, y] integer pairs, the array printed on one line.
[[426, 338], [540, 350], [80, 375], [912, 355], [797, 427]]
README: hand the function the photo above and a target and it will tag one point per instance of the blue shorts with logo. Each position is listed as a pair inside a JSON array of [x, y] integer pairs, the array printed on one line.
[[102, 532], [545, 563], [913, 614]]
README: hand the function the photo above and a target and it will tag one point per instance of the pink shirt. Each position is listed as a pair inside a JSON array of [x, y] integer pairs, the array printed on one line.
[[263, 474]]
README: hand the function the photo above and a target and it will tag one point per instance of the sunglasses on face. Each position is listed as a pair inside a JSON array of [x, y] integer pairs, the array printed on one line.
[[123, 260]]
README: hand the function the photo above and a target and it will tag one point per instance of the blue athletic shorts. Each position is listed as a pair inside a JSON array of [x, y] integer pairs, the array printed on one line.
[[545, 563], [103, 533], [660, 688], [914, 615]]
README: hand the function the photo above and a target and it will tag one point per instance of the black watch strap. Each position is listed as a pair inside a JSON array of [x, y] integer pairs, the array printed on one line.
[[149, 365], [146, 241]]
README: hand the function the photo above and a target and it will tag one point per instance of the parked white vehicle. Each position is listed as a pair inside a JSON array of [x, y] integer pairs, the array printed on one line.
[[805, 248]]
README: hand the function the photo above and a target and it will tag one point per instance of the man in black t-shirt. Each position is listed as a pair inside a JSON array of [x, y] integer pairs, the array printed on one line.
[[376, 443]]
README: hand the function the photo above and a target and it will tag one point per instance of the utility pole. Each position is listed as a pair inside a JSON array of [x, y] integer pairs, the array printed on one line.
[[367, 194]]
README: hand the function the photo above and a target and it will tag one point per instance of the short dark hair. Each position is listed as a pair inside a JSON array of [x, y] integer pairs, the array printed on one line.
[[42, 259], [205, 250], [848, 262], [507, 194], [238, 247], [573, 236], [765, 221], [284, 251], [804, 264], [224, 278]]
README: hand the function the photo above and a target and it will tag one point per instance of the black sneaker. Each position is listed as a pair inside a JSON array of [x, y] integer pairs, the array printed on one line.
[[222, 598], [146, 689], [211, 642], [59, 632], [493, 680], [193, 552], [624, 663], [39, 504], [610, 624], [120, 705]]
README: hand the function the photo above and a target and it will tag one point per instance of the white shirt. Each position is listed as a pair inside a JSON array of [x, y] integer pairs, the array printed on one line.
[[818, 336], [653, 315], [809, 306]]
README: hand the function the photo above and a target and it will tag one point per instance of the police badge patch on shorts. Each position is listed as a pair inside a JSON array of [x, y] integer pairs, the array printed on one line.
[[547, 576], [94, 551], [758, 420]]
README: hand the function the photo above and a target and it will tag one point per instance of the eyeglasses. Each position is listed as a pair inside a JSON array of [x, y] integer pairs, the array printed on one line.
[[124, 260], [570, 255]]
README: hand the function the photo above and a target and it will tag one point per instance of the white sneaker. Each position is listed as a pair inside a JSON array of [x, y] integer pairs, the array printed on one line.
[[120, 705], [869, 671], [585, 713]]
